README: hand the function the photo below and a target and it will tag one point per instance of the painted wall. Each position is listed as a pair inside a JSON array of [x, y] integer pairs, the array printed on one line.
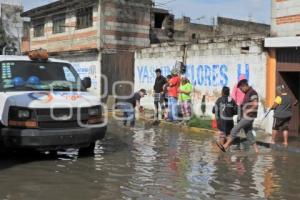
[[87, 66], [210, 66]]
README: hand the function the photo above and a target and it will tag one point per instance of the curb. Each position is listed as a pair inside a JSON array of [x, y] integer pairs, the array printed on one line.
[[187, 129], [164, 124]]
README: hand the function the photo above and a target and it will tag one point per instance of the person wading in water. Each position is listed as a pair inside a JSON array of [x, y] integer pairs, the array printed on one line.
[[249, 113], [282, 114]]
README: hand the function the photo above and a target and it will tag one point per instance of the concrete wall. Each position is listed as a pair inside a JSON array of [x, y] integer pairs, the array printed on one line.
[[200, 30], [223, 27], [210, 67], [12, 24], [227, 26], [285, 18], [86, 65]]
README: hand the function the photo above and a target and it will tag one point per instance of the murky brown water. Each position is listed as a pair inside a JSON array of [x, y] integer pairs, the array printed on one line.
[[151, 164]]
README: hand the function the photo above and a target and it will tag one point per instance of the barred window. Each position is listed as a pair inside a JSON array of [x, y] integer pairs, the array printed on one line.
[[39, 28], [59, 24], [84, 17]]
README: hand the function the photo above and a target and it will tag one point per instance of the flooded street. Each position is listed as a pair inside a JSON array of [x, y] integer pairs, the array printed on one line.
[[151, 164]]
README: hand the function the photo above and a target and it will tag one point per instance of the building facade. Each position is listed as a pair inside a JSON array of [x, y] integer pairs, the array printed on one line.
[[86, 32], [284, 54]]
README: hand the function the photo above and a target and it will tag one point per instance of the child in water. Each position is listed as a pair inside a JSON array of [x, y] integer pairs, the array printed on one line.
[[225, 108]]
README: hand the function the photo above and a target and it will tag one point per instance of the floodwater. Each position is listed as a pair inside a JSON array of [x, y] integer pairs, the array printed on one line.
[[151, 164]]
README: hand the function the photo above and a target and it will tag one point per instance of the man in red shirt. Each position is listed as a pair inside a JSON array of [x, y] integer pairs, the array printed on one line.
[[174, 85]]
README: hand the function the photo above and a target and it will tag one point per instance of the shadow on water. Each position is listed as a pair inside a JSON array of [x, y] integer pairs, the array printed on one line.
[[109, 145], [24, 157], [17, 157]]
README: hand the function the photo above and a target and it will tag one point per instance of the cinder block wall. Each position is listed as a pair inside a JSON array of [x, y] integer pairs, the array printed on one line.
[[210, 66], [285, 18], [125, 25]]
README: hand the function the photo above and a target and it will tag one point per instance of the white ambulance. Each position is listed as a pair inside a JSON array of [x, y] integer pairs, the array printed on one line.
[[44, 105]]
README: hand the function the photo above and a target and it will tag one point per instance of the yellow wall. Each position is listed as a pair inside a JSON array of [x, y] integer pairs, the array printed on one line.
[[271, 78]]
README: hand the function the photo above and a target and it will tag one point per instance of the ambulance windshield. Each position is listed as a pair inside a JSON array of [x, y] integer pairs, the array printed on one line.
[[28, 76]]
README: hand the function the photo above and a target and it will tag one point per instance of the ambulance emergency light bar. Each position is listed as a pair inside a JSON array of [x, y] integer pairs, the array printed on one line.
[[39, 54]]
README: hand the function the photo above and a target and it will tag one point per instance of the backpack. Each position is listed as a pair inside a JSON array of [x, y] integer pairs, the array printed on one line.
[[228, 107]]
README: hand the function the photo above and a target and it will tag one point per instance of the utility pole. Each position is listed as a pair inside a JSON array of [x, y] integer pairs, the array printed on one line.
[[214, 26]]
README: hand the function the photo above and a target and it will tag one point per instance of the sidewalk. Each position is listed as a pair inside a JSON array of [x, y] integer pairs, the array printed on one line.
[[263, 138]]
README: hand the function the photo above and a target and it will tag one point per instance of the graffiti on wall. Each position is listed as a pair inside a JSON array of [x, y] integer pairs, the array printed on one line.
[[215, 75], [87, 69]]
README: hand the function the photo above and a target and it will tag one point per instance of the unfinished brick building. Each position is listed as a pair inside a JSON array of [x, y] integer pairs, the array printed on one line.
[[97, 36]]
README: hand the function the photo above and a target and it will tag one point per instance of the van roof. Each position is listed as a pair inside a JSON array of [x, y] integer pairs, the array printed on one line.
[[26, 58]]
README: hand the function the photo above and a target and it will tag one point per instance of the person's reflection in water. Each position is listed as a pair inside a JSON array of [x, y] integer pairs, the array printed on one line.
[[234, 177], [269, 183], [283, 177]]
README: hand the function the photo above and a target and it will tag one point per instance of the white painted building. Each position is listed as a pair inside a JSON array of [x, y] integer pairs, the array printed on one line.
[[210, 66]]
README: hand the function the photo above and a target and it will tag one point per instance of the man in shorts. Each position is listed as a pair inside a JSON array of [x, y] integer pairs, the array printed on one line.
[[249, 113], [282, 114]]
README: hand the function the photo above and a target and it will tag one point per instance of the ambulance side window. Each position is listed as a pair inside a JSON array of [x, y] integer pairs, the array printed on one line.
[[69, 75]]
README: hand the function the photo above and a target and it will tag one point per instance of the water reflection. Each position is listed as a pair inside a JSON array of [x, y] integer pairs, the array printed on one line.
[[151, 164]]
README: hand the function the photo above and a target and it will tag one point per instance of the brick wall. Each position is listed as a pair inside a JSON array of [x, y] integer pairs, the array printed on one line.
[[72, 39], [285, 18], [125, 25], [117, 25]]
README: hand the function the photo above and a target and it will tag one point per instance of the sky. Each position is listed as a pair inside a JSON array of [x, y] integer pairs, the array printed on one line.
[[203, 11]]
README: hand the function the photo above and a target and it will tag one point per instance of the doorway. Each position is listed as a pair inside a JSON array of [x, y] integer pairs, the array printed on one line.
[[288, 74], [291, 81], [118, 67]]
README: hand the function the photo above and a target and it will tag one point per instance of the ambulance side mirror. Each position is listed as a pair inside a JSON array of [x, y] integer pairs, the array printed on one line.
[[87, 82]]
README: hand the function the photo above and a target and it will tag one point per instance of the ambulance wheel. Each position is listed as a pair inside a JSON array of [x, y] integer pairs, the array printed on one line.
[[88, 150]]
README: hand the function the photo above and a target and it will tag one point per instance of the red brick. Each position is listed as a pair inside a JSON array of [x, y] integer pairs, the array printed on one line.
[[75, 48], [288, 19], [65, 37]]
